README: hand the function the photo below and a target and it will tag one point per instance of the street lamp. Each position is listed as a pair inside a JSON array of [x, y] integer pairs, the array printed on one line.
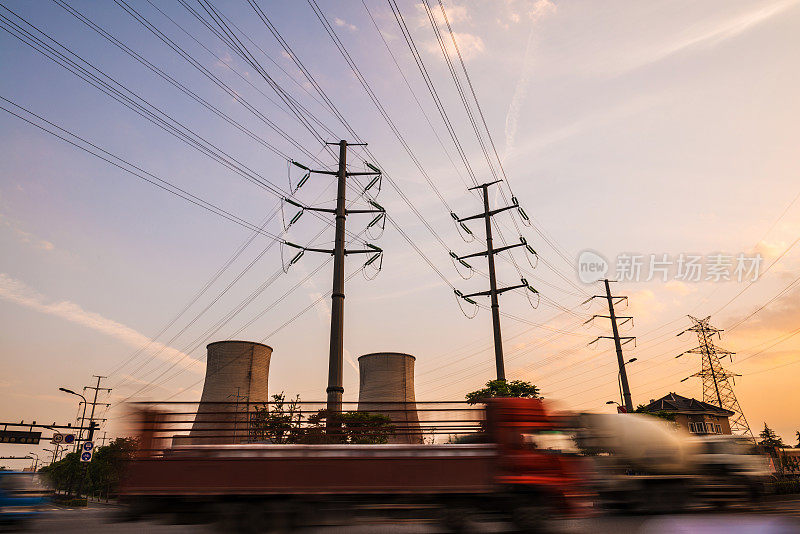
[[36, 464], [83, 417], [55, 454], [619, 377]]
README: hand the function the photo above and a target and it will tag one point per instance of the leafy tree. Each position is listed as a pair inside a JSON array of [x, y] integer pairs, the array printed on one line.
[[661, 414], [279, 422], [108, 465], [103, 473], [769, 438], [361, 428], [283, 422], [503, 388], [63, 474], [798, 440]]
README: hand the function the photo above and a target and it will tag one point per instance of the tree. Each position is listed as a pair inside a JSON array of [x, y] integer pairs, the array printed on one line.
[[362, 428], [503, 388], [798, 440], [108, 465], [63, 474], [103, 474], [661, 414], [769, 438], [278, 423], [283, 422]]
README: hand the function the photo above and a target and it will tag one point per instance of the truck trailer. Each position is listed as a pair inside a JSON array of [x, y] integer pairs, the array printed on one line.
[[261, 486]]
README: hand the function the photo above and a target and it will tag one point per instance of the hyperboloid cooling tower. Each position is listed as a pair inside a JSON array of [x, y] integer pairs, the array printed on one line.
[[236, 377], [387, 387]]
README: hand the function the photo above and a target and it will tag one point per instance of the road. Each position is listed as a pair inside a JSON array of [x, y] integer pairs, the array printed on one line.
[[776, 516]]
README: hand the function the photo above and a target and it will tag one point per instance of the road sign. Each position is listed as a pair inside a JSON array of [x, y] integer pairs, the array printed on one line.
[[86, 456], [69, 439], [20, 437], [57, 438], [87, 446]]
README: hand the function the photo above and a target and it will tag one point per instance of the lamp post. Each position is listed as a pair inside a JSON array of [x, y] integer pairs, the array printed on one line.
[[83, 417], [36, 463], [55, 452], [619, 378]]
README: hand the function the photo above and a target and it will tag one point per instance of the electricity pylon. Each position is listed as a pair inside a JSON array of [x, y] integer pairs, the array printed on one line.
[[619, 341], [335, 357], [490, 252], [717, 382]]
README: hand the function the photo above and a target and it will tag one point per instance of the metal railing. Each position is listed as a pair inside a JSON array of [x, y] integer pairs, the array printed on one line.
[[167, 425]]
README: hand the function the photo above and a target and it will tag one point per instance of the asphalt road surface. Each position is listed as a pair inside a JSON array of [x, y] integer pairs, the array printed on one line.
[[778, 516]]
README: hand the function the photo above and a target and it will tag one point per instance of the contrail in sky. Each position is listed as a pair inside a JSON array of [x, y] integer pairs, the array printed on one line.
[[16, 291]]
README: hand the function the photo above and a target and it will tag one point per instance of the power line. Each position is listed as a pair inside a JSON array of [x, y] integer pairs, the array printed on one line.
[[133, 101], [432, 19], [121, 164], [172, 81]]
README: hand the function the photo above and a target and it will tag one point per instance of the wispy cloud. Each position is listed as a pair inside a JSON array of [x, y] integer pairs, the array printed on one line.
[[16, 291], [25, 237], [709, 36], [455, 13], [538, 11], [469, 44], [344, 24], [588, 122]]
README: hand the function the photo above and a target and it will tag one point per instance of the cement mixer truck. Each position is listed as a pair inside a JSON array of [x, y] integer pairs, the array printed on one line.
[[646, 464]]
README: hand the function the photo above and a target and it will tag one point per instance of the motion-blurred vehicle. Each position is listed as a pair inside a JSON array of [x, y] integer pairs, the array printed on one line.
[[734, 469], [521, 475], [646, 464], [23, 496]]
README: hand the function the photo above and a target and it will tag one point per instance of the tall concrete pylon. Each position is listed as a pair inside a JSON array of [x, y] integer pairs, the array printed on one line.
[[387, 386]]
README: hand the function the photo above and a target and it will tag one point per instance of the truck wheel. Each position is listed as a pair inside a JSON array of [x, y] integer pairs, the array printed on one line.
[[454, 519], [255, 518], [229, 517], [281, 517], [530, 518]]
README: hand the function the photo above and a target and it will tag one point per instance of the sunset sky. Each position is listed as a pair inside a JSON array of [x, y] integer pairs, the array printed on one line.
[[639, 128]]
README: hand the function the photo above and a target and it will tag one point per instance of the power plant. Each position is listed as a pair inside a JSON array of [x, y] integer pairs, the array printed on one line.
[[237, 374], [386, 386]]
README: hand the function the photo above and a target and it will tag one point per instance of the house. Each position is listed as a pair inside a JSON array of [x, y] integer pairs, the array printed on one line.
[[696, 416]]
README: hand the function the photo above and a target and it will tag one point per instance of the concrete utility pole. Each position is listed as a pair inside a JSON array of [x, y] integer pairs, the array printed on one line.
[[94, 402], [96, 389], [336, 354], [493, 292], [623, 373], [335, 390], [618, 340]]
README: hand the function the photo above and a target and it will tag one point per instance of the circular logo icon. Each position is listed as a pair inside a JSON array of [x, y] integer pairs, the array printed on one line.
[[69, 438], [86, 456], [87, 446], [58, 438], [591, 267]]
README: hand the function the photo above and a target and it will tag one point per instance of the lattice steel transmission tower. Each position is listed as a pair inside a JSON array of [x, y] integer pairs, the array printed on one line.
[[717, 381]]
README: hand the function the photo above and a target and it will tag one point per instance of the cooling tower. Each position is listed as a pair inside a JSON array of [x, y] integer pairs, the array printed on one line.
[[387, 387], [236, 375]]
